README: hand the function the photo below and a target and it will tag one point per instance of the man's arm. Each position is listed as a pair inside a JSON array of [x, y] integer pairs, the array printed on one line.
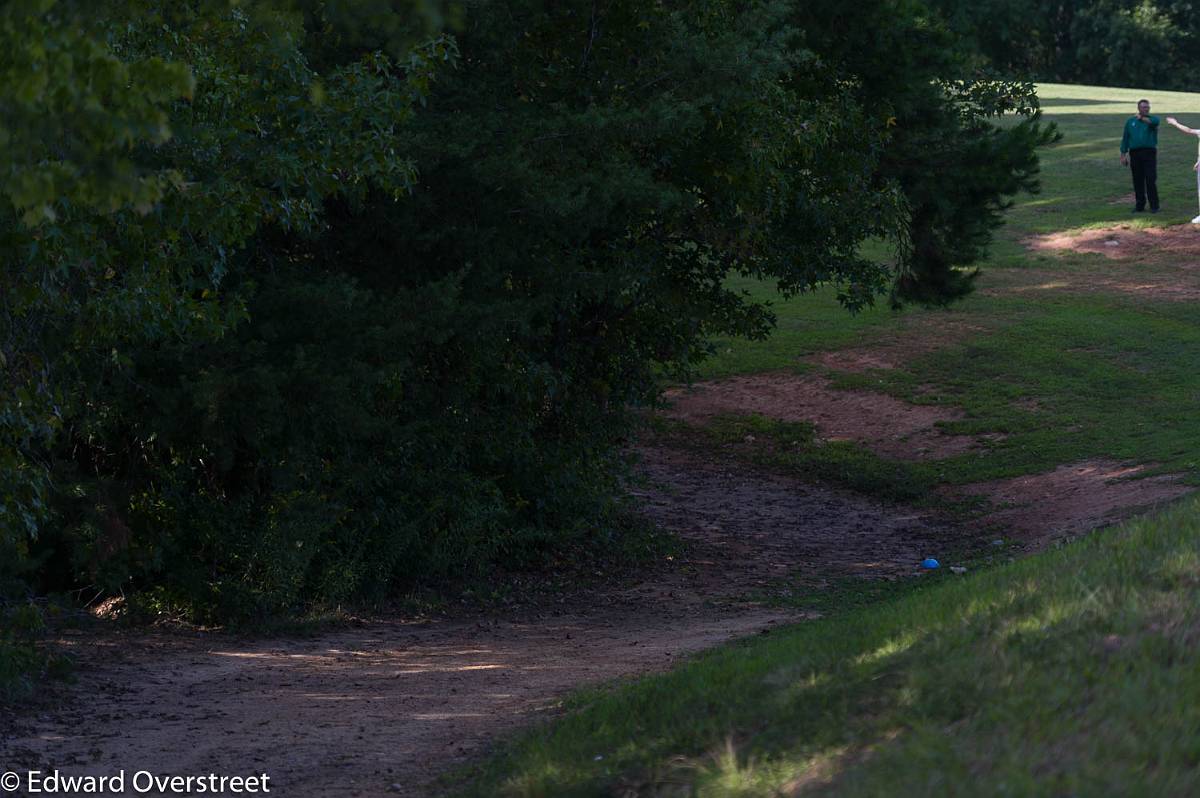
[[1125, 145], [1175, 123], [1152, 121]]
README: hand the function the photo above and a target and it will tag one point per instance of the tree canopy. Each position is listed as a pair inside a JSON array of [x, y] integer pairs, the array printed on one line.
[[1134, 43], [310, 301]]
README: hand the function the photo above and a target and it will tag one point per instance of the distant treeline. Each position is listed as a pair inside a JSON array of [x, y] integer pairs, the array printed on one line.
[[1135, 43], [310, 302]]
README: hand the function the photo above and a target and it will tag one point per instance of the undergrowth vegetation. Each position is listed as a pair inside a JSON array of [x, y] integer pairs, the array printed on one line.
[[23, 662]]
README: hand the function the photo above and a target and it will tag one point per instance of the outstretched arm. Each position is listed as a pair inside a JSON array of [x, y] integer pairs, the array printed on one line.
[[1172, 121]]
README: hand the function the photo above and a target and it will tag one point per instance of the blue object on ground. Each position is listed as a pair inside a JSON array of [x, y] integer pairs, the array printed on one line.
[[930, 563]]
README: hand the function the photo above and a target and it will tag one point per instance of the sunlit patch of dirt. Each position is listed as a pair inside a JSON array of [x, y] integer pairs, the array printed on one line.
[[1074, 498], [887, 426], [1155, 263], [109, 609], [1124, 242]]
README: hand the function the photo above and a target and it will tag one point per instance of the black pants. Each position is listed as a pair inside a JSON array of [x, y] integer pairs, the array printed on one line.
[[1143, 162]]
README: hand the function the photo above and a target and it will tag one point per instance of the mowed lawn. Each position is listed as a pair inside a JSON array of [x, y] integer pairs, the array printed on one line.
[[1073, 672], [1111, 375]]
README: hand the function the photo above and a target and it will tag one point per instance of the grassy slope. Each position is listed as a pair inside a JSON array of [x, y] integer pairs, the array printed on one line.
[[1075, 672], [1072, 673]]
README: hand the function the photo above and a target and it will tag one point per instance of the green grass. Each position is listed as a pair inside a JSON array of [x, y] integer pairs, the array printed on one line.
[[1110, 375], [1068, 378], [1082, 177], [806, 325], [1076, 672]]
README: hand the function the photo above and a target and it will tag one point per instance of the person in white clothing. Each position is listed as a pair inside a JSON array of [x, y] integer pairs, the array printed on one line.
[[1173, 122]]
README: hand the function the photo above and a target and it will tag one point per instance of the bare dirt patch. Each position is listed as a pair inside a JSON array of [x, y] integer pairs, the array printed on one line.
[[1124, 241], [887, 426], [1075, 498], [1156, 263], [762, 526]]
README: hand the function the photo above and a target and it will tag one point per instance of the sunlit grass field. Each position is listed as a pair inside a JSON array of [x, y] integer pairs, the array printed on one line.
[[1111, 375], [1074, 672], [1084, 181]]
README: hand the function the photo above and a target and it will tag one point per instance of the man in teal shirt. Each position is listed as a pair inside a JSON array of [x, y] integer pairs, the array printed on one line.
[[1139, 151]]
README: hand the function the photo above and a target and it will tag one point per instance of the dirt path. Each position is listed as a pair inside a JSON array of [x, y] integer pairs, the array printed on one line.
[[377, 711], [383, 709]]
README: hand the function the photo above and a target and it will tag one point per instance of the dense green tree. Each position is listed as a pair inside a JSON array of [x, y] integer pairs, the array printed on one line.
[[467, 356], [956, 165], [142, 149], [311, 308], [1135, 43]]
